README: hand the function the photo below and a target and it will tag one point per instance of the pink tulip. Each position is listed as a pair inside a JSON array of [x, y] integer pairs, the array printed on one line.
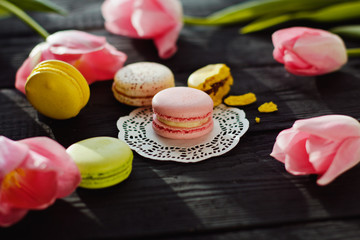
[[34, 172], [327, 145], [160, 20], [91, 55], [309, 52]]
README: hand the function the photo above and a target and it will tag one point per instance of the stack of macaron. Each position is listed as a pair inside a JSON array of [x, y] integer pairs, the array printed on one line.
[[179, 112]]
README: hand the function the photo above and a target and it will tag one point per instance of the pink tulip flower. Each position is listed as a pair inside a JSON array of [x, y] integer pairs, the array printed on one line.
[[327, 145], [91, 55], [309, 52], [160, 20], [34, 172]]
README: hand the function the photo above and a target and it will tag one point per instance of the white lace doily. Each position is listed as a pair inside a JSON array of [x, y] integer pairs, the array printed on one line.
[[136, 130]]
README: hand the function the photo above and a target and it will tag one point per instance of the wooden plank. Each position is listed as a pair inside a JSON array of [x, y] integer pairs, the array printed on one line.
[[244, 194], [327, 230], [18, 119]]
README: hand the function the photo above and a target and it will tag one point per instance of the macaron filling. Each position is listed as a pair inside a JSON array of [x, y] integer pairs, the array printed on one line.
[[123, 94], [183, 122], [111, 177], [161, 128]]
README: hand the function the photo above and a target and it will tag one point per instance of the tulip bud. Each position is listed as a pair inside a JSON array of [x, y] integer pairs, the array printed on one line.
[[309, 52]]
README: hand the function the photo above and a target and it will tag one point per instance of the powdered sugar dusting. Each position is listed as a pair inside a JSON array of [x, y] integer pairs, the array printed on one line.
[[143, 79]]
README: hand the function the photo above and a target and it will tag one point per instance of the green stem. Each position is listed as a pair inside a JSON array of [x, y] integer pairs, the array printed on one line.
[[24, 17], [353, 52], [196, 21]]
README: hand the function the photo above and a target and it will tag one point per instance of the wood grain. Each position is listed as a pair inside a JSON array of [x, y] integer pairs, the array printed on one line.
[[244, 194]]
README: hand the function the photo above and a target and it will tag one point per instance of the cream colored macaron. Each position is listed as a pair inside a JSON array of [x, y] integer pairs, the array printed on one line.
[[57, 89], [137, 83]]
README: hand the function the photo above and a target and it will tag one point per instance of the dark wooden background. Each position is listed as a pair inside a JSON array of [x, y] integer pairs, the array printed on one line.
[[244, 194]]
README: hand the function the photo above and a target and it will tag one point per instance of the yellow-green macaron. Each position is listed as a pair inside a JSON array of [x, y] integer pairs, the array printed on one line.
[[102, 161], [57, 89]]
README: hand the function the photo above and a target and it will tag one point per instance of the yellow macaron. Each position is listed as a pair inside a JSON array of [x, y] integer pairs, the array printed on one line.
[[57, 89], [214, 79], [102, 161]]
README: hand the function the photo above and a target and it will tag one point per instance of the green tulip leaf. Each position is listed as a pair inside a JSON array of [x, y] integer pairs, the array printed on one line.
[[251, 10], [22, 15], [353, 52], [347, 31], [38, 5], [264, 23], [336, 12], [4, 13]]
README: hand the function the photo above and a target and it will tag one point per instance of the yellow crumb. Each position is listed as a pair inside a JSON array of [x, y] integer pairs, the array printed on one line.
[[268, 107], [257, 120], [240, 100]]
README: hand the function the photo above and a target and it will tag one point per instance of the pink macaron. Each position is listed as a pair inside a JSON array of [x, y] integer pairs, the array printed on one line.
[[182, 113]]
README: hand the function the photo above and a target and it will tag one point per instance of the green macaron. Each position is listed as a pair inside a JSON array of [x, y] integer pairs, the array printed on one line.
[[102, 161]]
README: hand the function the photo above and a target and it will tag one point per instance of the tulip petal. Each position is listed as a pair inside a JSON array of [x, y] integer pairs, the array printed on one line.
[[117, 15], [326, 53], [22, 74], [278, 55], [321, 152], [9, 215], [28, 188], [68, 175], [281, 144], [293, 155], [287, 36], [332, 127], [346, 157], [283, 41], [74, 42], [173, 8], [12, 155], [150, 20], [101, 65], [294, 64], [296, 161], [160, 20], [166, 44]]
